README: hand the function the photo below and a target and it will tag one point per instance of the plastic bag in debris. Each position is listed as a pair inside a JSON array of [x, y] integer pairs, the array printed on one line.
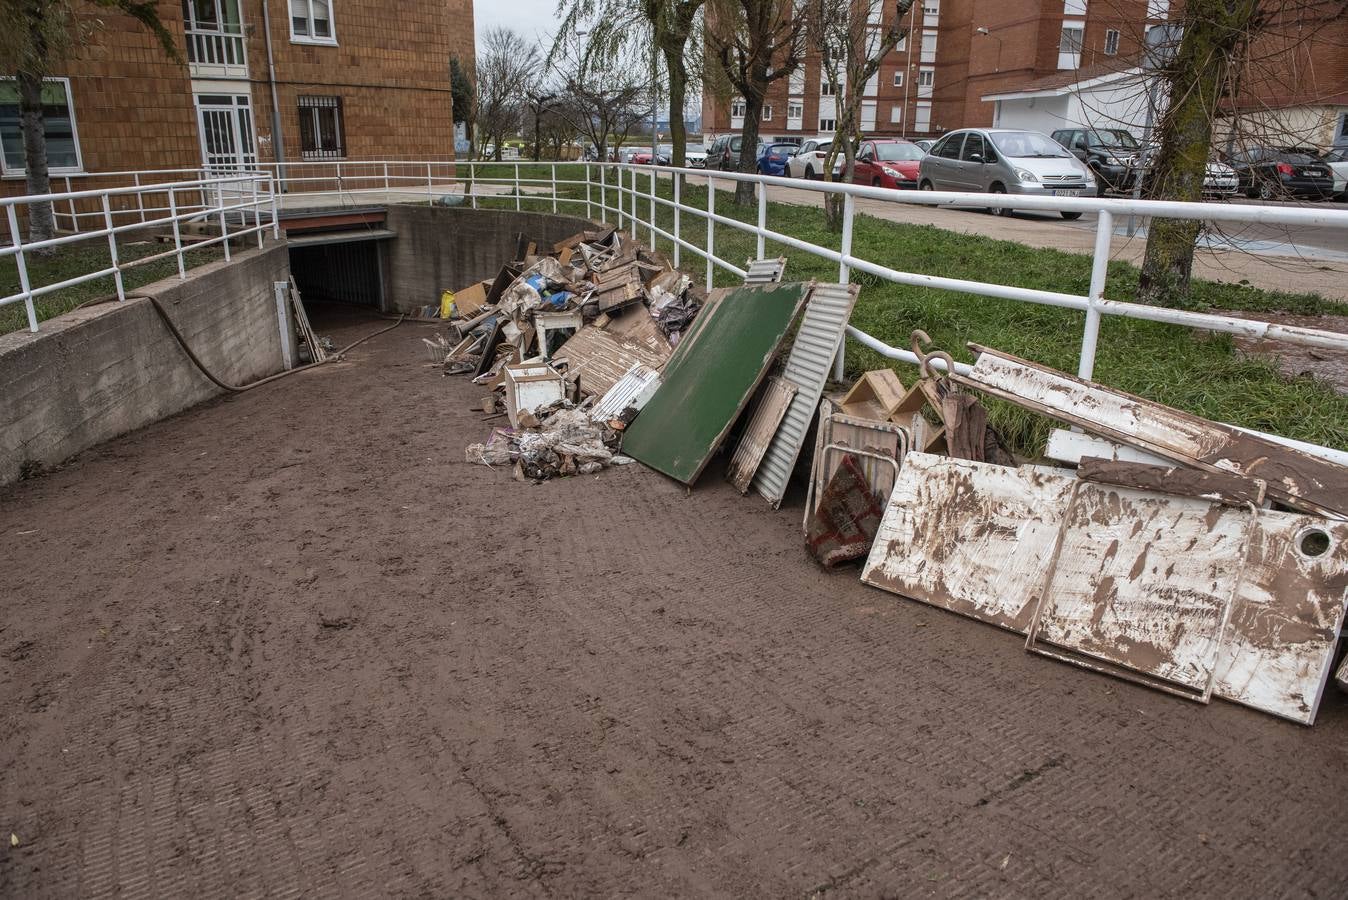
[[675, 316], [520, 297], [547, 268], [496, 452], [559, 300]]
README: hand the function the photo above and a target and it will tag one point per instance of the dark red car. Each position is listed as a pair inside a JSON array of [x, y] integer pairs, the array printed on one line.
[[890, 163]]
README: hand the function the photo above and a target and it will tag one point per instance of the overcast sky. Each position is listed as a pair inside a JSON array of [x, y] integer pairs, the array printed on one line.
[[532, 18]]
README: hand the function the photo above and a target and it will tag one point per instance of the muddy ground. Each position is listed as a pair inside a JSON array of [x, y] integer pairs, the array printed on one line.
[[289, 643]]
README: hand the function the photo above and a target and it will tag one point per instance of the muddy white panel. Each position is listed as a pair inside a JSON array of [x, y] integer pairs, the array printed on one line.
[[974, 538], [1142, 586], [1279, 646], [634, 389]]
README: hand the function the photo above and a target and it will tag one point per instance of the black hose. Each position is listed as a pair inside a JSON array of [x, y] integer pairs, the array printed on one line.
[[239, 389]]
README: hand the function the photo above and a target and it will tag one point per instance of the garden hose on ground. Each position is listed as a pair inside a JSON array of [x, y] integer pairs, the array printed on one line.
[[239, 389]]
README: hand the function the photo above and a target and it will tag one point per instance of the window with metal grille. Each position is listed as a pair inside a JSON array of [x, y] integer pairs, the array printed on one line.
[[321, 133]]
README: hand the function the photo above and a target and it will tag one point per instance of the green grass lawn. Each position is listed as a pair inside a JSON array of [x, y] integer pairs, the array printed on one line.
[[79, 258], [1195, 371]]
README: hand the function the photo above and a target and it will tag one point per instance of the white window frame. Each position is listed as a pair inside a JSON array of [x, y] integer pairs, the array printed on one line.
[[828, 126], [926, 77], [1112, 42], [22, 172], [896, 114], [898, 78], [330, 41], [767, 113], [737, 108]]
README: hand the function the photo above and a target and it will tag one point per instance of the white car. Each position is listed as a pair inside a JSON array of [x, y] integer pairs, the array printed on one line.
[[808, 161], [1337, 160], [695, 159]]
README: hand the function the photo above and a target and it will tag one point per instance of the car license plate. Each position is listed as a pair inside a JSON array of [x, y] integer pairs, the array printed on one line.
[[1067, 193], [1314, 173]]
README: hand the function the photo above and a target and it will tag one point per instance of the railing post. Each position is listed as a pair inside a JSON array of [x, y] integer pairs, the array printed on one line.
[[472, 184], [762, 219], [554, 187], [112, 247], [603, 192], [711, 228], [385, 182], [517, 187], [652, 204], [224, 222], [844, 277], [257, 214], [589, 206], [275, 212], [177, 234], [140, 199], [1104, 232], [678, 180], [74, 216], [429, 189], [24, 284], [632, 204]]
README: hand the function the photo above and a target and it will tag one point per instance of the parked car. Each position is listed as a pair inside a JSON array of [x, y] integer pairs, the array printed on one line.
[[891, 163], [925, 144], [772, 158], [724, 154], [1219, 179], [695, 157], [1112, 155], [1337, 160], [1004, 161], [1270, 173], [643, 158], [808, 162]]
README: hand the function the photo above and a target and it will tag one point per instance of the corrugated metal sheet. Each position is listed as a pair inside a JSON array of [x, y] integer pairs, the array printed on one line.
[[773, 401], [765, 271], [807, 367], [633, 389], [1142, 586]]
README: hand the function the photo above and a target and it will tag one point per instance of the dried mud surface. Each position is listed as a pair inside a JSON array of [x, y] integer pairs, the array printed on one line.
[[289, 643]]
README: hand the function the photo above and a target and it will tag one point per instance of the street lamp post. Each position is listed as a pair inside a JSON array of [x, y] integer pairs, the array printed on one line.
[[984, 31]]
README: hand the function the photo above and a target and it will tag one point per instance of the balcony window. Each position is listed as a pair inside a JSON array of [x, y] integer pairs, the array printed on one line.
[[737, 109], [214, 31], [1111, 42], [321, 132], [311, 22], [63, 141], [1069, 47]]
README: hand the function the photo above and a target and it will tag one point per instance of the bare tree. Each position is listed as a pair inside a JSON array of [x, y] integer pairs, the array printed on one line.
[[637, 29], [605, 96], [853, 38], [508, 67], [755, 42], [34, 36]]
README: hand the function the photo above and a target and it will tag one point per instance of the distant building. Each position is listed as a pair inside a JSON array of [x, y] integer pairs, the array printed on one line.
[[352, 79], [1053, 61]]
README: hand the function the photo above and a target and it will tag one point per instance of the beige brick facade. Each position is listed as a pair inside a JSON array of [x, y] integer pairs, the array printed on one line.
[[135, 108]]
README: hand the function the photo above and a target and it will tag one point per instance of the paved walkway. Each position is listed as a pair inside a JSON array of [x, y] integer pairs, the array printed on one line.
[[289, 643]]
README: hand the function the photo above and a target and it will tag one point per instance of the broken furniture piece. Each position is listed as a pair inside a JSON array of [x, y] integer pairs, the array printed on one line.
[[549, 322], [879, 448], [528, 388], [875, 395], [845, 523]]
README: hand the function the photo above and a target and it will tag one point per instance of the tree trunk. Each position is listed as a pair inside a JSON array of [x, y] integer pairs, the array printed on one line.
[[753, 112], [1213, 31], [678, 96], [32, 122]]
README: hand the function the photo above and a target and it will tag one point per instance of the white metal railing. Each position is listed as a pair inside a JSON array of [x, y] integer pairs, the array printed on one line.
[[222, 47], [233, 206], [628, 194]]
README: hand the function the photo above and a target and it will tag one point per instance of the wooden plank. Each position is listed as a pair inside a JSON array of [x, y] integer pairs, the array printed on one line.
[[711, 376], [1219, 487], [1285, 623], [970, 537], [1072, 446], [1141, 587], [1294, 477], [773, 400], [601, 359]]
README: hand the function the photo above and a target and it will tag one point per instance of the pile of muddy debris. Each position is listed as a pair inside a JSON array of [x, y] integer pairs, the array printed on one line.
[[1147, 543]]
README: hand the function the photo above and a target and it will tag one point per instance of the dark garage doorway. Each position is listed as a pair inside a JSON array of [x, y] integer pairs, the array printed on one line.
[[350, 272]]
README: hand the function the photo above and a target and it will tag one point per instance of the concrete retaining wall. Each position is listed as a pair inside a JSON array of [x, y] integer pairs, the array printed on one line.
[[105, 370], [445, 248]]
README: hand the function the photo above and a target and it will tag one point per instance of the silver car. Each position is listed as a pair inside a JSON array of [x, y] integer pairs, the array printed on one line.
[[1005, 161]]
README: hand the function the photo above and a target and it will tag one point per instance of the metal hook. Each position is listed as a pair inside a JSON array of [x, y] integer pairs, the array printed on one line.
[[919, 339]]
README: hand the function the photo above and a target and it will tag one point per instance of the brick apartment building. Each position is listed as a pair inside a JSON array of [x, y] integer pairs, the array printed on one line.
[[351, 79], [963, 57]]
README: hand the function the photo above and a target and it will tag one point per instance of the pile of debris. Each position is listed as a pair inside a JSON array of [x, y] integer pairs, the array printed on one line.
[[1163, 548], [1169, 550], [553, 336]]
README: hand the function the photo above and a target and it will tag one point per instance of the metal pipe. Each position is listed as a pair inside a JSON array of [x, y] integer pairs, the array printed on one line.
[[1104, 232], [711, 228], [278, 148]]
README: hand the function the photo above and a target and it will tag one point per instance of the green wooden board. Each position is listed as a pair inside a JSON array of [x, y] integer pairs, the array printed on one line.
[[711, 376]]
